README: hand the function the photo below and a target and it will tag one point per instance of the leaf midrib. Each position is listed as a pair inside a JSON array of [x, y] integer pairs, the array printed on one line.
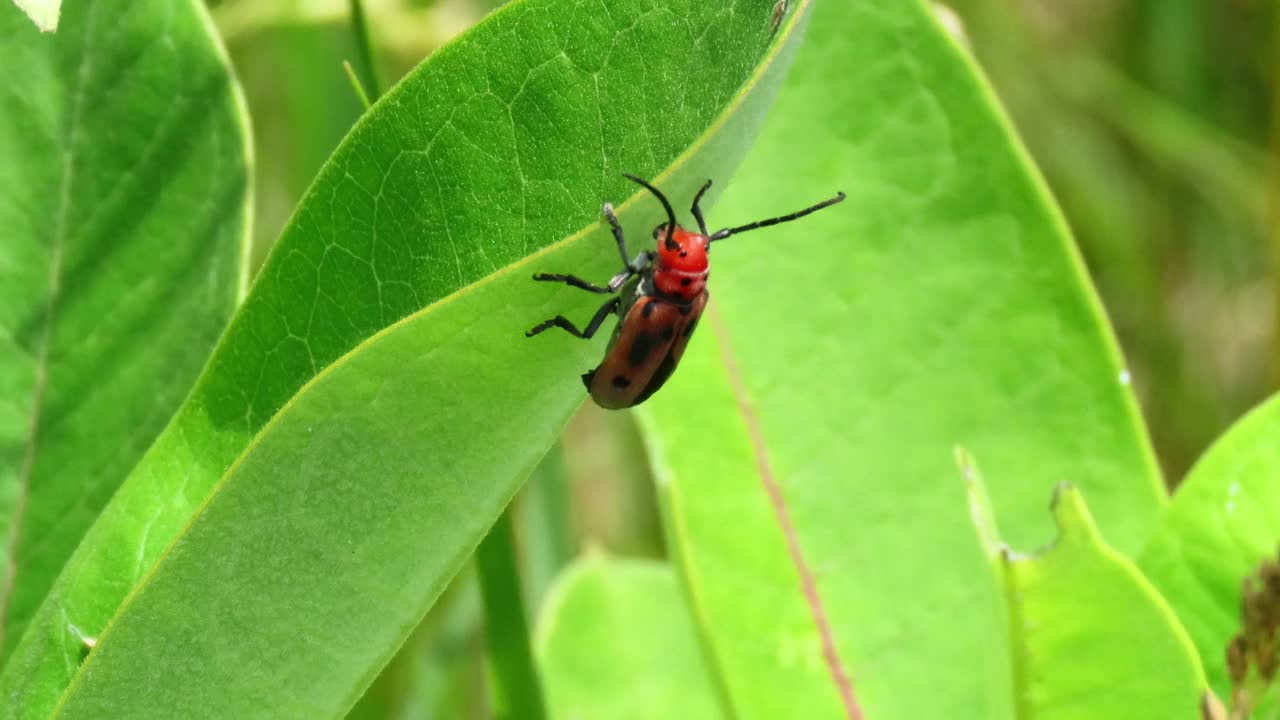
[[777, 503]]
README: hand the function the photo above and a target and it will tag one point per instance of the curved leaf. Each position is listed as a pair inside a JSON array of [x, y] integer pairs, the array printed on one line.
[[1223, 521], [375, 403], [616, 642], [845, 354], [1082, 618], [124, 187]]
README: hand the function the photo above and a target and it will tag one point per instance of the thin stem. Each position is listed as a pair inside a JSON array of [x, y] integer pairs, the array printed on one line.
[[355, 84], [364, 50], [516, 691]]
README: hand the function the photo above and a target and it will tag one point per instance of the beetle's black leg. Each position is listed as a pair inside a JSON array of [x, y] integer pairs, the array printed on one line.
[[617, 233], [573, 280], [697, 211], [559, 321], [635, 265], [615, 283]]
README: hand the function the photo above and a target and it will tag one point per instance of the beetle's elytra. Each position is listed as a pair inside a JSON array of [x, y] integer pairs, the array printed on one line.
[[659, 296]]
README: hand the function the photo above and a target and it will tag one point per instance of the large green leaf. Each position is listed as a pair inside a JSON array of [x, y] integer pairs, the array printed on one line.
[[374, 403], [1223, 521], [123, 198], [805, 444], [1081, 619], [615, 641]]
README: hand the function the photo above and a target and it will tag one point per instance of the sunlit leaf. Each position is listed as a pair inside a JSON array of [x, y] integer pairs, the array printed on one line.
[[805, 444], [44, 13]]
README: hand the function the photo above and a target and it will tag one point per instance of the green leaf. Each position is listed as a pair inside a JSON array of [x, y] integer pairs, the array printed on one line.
[[44, 13], [1223, 521], [1089, 636], [805, 443], [615, 641], [375, 403], [124, 198]]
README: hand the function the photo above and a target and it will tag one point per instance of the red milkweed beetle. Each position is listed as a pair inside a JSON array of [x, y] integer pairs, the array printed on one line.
[[662, 296]]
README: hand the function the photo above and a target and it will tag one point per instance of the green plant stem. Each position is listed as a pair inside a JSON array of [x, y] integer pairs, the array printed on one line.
[[356, 85], [364, 50], [516, 690]]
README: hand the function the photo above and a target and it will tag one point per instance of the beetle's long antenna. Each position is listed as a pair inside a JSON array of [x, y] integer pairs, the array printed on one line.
[[722, 234], [697, 211], [671, 244]]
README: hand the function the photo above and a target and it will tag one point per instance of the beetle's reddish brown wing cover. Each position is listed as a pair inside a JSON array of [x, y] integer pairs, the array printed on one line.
[[654, 335]]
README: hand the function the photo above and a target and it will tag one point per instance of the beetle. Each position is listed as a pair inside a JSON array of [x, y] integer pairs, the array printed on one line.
[[659, 296]]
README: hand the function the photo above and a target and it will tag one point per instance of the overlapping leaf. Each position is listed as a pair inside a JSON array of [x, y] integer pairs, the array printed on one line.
[[1223, 521], [1082, 618]]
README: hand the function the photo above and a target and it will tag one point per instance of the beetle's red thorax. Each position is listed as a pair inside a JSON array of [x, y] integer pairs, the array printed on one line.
[[680, 272]]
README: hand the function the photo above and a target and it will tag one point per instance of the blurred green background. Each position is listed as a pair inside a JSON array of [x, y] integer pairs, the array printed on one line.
[[1153, 120]]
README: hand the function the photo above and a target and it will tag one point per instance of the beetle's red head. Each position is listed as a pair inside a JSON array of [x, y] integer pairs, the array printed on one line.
[[680, 270]]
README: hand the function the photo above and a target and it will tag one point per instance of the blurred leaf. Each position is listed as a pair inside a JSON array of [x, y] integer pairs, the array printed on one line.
[[615, 641], [405, 28], [1223, 521], [302, 108], [614, 502], [44, 13], [545, 527], [1082, 617], [374, 403], [125, 206], [514, 689], [842, 358]]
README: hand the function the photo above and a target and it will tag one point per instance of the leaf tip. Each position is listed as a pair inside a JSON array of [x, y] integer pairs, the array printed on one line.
[[1072, 514], [980, 512], [44, 13], [950, 21], [1211, 707]]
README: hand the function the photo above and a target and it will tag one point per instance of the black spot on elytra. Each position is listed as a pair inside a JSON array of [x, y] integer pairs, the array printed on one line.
[[641, 346], [621, 381], [686, 309], [668, 333], [686, 281], [688, 330], [648, 309]]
